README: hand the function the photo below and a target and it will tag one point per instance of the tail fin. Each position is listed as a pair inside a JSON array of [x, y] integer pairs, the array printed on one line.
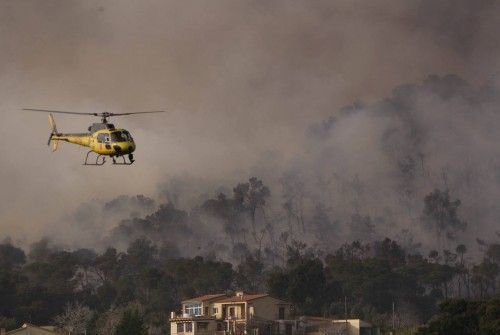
[[55, 145], [53, 129], [52, 124]]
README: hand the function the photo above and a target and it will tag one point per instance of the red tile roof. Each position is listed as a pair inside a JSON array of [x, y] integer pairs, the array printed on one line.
[[244, 297], [206, 297]]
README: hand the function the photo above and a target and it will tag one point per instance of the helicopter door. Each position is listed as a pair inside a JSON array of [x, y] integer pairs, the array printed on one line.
[[104, 138]]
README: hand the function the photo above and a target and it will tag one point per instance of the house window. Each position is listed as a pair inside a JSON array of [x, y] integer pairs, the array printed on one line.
[[219, 326], [215, 310], [231, 311], [180, 327], [193, 309], [206, 310], [189, 327], [202, 326], [242, 312], [281, 313]]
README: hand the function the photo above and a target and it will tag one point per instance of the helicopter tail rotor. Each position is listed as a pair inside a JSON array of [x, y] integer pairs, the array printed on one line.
[[52, 124], [53, 128]]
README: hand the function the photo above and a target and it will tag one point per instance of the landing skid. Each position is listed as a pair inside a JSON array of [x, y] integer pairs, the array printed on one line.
[[100, 160], [130, 160]]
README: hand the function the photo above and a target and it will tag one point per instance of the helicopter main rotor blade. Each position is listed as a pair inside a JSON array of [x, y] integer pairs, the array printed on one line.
[[132, 113], [60, 112]]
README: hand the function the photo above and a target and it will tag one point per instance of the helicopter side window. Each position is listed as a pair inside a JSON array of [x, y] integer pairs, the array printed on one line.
[[103, 138]]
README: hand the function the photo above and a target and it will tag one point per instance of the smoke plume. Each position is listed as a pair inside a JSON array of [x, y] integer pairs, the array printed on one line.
[[253, 88]]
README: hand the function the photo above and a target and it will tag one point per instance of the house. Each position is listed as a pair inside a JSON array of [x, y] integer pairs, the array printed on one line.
[[356, 327], [241, 313], [256, 314], [245, 307], [28, 329], [314, 325], [202, 305], [197, 317]]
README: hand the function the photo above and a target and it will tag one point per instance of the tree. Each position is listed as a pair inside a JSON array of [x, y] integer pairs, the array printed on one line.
[[8, 323], [490, 317], [105, 323], [250, 274], [462, 270], [323, 227], [226, 210], [8, 294], [440, 214], [106, 265], [389, 250], [457, 317], [40, 251], [75, 318], [303, 283], [462, 317], [493, 253], [250, 197], [140, 253], [11, 256], [198, 276], [131, 323], [484, 277], [293, 196]]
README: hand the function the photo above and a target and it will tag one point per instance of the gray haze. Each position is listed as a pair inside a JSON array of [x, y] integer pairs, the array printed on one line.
[[247, 84]]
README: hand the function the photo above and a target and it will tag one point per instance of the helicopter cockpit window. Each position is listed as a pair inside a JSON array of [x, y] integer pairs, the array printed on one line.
[[119, 136], [129, 137]]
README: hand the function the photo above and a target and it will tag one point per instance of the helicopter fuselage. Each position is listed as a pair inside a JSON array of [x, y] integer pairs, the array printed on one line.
[[103, 140]]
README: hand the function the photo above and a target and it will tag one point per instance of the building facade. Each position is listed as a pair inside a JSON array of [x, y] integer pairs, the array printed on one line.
[[313, 325], [29, 329], [243, 313], [256, 314]]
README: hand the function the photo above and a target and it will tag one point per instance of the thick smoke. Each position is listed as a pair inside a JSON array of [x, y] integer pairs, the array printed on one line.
[[384, 158], [361, 174], [247, 85]]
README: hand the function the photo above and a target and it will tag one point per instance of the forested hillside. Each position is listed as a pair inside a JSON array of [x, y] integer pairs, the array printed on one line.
[[86, 289]]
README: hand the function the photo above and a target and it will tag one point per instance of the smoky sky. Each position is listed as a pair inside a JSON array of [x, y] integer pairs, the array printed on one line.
[[244, 83]]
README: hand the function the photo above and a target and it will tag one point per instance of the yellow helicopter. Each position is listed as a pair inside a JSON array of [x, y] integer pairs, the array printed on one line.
[[102, 138]]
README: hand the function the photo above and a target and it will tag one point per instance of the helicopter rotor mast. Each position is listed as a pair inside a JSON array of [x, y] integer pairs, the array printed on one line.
[[104, 115]]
